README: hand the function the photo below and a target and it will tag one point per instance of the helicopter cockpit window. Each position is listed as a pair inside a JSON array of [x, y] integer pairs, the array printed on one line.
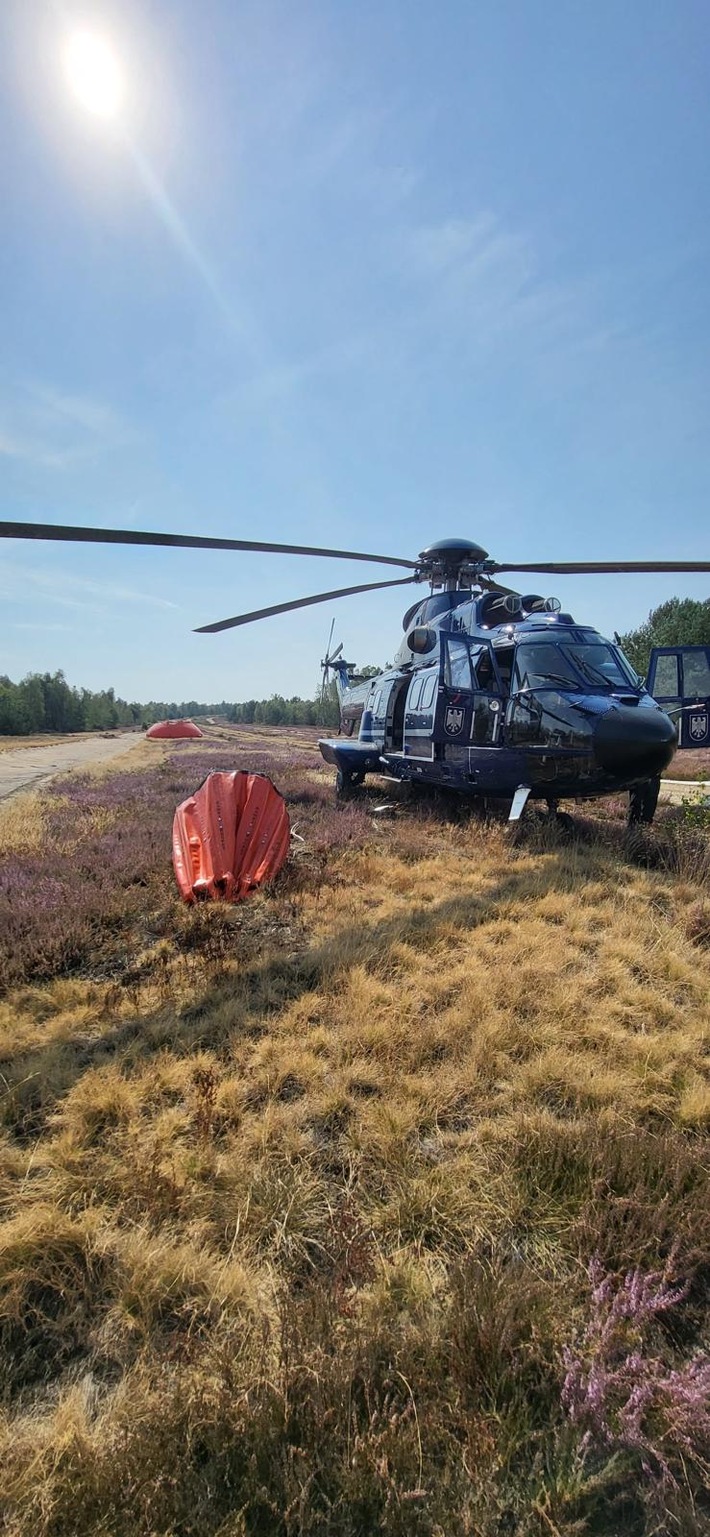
[[547, 719], [602, 666], [457, 671], [483, 674], [540, 665]]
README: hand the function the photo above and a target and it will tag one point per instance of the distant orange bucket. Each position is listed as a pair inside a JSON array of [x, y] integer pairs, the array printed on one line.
[[230, 837], [174, 728]]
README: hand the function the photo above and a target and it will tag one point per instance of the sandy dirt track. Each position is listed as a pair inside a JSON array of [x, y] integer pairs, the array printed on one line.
[[28, 767]]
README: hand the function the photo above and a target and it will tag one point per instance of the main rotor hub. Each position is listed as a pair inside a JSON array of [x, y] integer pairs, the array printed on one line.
[[451, 561]]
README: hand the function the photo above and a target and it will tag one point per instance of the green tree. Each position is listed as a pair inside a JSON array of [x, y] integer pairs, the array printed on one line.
[[679, 622], [31, 704]]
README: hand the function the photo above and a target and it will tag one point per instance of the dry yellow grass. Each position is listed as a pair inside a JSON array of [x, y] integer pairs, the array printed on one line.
[[236, 1183], [22, 823]]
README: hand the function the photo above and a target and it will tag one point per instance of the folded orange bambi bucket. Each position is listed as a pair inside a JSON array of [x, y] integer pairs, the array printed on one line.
[[173, 728], [230, 837]]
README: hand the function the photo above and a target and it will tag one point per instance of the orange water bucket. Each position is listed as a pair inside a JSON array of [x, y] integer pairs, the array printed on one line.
[[230, 837]]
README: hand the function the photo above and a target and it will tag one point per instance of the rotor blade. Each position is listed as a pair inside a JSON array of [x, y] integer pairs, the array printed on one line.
[[66, 533], [603, 568], [336, 653], [330, 637], [285, 608]]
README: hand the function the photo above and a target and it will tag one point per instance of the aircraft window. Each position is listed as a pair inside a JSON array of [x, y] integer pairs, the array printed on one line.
[[537, 666], [504, 659], [458, 664], [428, 691], [415, 694], [696, 674], [547, 719], [377, 702], [442, 603], [601, 666], [666, 684], [483, 674]]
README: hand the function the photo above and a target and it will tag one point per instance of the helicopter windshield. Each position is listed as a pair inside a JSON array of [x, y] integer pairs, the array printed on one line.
[[603, 666], [538, 666], [570, 665]]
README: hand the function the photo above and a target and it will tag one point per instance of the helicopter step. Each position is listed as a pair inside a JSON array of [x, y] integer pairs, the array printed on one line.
[[520, 800]]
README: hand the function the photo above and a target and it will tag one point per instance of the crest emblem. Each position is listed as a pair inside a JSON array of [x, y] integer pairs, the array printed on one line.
[[698, 726], [453, 721]]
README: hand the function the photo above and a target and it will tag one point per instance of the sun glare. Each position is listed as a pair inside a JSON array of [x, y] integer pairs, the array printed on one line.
[[94, 74]]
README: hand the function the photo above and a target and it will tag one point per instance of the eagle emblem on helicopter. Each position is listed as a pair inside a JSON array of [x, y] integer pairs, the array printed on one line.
[[493, 692], [453, 721]]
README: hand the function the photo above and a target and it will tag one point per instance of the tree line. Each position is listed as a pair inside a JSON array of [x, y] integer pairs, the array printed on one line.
[[45, 702]]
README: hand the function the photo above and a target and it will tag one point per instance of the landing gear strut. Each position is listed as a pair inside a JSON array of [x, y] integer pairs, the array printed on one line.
[[560, 818], [347, 781], [643, 800]]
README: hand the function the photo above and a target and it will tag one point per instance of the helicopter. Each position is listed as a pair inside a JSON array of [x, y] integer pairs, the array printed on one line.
[[493, 693]]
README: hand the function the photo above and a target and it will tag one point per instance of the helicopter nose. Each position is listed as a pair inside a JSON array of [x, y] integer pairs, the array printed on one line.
[[634, 740]]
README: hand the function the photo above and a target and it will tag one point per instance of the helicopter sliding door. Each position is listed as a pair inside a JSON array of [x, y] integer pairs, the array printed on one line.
[[419, 717], [468, 705]]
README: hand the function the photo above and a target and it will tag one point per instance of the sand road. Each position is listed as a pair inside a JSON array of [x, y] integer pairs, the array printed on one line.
[[28, 767]]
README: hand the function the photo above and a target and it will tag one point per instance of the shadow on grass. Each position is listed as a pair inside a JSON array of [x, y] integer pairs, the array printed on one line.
[[247, 1000]]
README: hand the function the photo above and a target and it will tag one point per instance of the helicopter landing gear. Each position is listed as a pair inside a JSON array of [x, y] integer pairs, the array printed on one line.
[[347, 781], [643, 800], [561, 819]]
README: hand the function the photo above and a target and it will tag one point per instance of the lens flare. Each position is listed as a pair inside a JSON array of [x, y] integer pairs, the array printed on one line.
[[94, 74]]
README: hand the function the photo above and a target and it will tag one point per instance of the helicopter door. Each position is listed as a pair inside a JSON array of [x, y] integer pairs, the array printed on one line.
[[419, 717], [468, 707]]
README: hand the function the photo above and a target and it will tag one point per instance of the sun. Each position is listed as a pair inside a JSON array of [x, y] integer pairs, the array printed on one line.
[[94, 74]]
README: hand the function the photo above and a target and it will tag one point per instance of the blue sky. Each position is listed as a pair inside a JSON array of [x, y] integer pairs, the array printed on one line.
[[368, 273]]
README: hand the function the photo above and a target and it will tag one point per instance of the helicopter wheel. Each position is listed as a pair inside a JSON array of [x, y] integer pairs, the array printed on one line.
[[643, 800], [347, 782]]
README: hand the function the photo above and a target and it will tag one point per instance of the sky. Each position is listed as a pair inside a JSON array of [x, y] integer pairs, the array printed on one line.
[[364, 274]]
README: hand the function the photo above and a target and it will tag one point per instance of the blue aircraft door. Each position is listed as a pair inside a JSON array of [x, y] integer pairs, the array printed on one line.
[[469, 710]]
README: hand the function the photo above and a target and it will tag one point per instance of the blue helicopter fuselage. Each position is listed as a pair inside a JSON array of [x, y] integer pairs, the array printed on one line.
[[489, 698]]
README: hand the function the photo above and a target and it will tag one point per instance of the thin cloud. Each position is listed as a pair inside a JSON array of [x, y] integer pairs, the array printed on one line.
[[487, 280], [93, 416], [23, 625], [55, 429], [71, 591]]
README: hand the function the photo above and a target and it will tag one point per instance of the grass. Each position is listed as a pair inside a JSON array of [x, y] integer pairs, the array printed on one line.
[[344, 1210], [691, 763]]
